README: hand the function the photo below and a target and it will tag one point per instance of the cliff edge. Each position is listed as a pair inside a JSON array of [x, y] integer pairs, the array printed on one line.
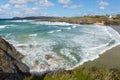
[[11, 67]]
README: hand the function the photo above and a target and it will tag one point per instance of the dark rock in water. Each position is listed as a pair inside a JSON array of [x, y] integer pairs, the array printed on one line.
[[11, 67], [47, 56]]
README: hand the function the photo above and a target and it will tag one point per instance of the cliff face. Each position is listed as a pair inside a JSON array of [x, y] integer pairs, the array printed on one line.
[[11, 67]]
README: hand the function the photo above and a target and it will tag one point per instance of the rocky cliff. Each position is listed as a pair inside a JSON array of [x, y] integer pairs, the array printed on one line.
[[11, 67]]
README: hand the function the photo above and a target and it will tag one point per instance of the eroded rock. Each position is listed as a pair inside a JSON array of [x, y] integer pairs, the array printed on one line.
[[11, 67]]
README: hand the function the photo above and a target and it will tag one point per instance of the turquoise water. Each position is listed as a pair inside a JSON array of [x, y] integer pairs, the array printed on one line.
[[55, 45]]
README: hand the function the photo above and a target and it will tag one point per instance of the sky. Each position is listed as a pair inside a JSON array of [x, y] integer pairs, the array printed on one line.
[[61, 8]]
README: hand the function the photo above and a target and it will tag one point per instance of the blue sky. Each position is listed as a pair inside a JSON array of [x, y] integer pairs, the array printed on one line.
[[22, 8]]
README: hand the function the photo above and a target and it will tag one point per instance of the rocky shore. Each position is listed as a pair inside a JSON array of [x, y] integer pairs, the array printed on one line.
[[11, 67]]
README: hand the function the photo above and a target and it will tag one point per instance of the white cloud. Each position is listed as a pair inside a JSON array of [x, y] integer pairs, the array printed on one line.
[[5, 6], [64, 1], [102, 4], [21, 1], [27, 11], [5, 9], [65, 6], [44, 3], [72, 6], [18, 10], [102, 7], [22, 7]]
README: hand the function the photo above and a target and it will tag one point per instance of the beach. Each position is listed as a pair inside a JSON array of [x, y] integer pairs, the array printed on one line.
[[109, 59]]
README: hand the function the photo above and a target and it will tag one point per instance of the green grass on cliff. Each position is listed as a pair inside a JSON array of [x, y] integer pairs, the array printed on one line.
[[81, 74]]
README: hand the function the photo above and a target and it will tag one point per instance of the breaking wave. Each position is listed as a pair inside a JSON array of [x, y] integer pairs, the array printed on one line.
[[53, 23], [2, 27], [69, 46]]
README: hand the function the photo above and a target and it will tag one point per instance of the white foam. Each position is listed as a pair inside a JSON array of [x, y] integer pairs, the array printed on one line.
[[68, 28], [93, 58], [2, 27], [87, 46], [32, 35], [54, 31], [19, 45], [67, 53], [52, 23], [51, 32], [21, 21], [102, 48], [58, 30], [74, 26]]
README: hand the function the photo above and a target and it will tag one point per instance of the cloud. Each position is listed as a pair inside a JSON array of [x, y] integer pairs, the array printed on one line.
[[18, 10], [27, 11], [72, 6], [5, 9], [21, 1], [102, 4], [44, 3], [5, 6], [24, 7], [64, 1]]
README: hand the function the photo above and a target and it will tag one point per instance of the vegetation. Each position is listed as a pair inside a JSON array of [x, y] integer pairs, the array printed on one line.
[[114, 21], [97, 19], [85, 73]]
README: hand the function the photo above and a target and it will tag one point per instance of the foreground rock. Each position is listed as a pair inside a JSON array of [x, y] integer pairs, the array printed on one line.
[[11, 67]]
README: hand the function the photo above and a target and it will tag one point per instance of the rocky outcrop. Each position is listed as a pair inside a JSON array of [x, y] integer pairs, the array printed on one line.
[[11, 67]]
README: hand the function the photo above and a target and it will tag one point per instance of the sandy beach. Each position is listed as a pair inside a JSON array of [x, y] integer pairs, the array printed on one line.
[[109, 59]]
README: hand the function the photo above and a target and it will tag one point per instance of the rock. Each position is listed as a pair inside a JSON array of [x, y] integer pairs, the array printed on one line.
[[36, 62], [47, 56], [11, 67]]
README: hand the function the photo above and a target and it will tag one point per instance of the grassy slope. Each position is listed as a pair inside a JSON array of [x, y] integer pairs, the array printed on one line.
[[81, 74]]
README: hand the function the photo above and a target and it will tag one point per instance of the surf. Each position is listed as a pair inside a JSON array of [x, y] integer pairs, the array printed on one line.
[[58, 45]]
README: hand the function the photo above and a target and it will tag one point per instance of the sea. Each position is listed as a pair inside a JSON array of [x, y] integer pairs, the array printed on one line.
[[49, 46]]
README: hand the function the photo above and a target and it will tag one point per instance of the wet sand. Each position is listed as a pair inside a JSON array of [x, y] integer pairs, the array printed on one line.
[[109, 59]]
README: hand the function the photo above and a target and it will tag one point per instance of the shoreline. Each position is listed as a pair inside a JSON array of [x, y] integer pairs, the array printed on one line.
[[108, 59]]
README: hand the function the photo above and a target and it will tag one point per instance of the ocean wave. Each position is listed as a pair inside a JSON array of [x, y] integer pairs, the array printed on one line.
[[53, 23], [68, 28], [102, 48], [21, 21], [94, 56], [74, 26], [32, 35], [69, 50], [59, 30], [51, 32], [2, 27]]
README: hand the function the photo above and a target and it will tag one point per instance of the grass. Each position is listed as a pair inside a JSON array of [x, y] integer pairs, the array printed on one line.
[[85, 73], [115, 20]]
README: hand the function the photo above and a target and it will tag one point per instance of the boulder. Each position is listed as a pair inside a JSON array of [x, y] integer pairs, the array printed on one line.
[[11, 66]]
